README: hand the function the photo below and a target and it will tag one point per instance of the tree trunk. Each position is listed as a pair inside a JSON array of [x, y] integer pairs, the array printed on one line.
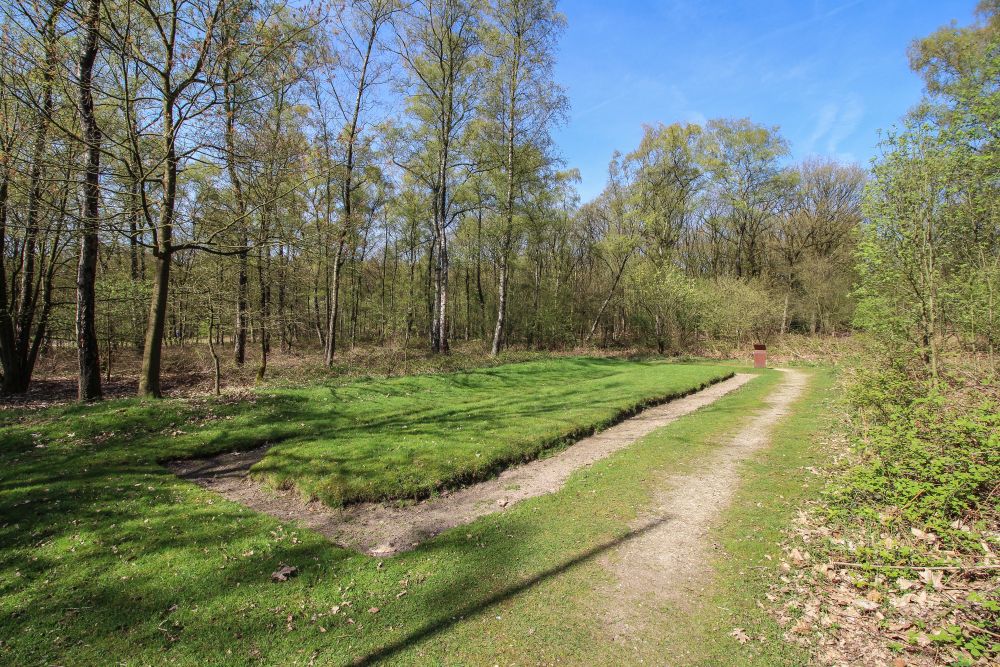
[[263, 274], [784, 316], [607, 300], [8, 351], [331, 332], [149, 380], [216, 364], [508, 212], [501, 311], [89, 385], [242, 280], [242, 301], [443, 319]]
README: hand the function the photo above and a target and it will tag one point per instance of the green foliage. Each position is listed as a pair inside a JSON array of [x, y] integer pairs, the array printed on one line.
[[925, 460], [928, 263], [670, 304], [677, 310], [930, 464], [740, 311]]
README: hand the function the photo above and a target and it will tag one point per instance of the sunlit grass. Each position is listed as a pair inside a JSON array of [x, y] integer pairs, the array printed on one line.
[[408, 437], [106, 558]]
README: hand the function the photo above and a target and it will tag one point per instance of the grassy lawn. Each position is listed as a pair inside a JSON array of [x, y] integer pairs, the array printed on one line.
[[368, 439], [106, 558], [407, 437]]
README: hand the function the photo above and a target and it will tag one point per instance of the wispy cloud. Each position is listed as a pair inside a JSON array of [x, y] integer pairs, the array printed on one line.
[[835, 122], [804, 23]]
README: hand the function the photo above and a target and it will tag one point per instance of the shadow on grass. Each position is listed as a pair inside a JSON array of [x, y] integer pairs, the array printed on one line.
[[457, 615]]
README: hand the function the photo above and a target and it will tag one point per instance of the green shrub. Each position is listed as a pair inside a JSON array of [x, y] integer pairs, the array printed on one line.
[[929, 460]]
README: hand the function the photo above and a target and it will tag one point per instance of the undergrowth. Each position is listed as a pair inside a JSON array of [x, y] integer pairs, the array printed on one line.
[[909, 525]]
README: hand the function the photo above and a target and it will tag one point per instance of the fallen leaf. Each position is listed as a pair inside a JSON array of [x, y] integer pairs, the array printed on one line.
[[803, 627], [740, 635], [933, 578], [284, 573], [866, 605]]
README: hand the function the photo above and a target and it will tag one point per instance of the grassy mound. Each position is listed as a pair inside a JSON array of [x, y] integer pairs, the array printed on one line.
[[408, 437]]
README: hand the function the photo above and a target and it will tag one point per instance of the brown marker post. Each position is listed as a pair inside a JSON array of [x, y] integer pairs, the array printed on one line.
[[759, 355]]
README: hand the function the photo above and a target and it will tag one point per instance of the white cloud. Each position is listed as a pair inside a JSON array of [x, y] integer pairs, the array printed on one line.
[[836, 122], [847, 122]]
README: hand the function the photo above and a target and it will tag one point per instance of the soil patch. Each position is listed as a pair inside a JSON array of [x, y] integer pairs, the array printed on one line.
[[670, 563]]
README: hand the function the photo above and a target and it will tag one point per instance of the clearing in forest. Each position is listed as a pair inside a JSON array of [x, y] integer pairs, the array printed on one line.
[[408, 437], [108, 557], [384, 529]]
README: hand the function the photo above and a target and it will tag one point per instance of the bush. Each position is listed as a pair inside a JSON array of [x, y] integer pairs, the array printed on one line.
[[929, 459], [740, 311]]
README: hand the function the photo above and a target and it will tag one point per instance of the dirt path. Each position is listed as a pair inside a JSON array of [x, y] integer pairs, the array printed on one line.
[[669, 563], [383, 530]]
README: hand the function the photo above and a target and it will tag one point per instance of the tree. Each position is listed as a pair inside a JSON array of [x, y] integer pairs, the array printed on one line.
[[927, 264], [616, 229], [24, 314], [180, 35], [960, 67], [668, 179], [904, 257], [751, 186], [439, 44], [86, 325], [521, 104], [360, 26], [814, 241]]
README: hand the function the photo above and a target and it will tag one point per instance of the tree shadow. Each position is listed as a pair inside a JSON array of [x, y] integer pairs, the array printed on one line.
[[453, 616]]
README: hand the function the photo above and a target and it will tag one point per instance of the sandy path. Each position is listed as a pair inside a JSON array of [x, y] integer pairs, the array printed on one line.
[[669, 563], [382, 530]]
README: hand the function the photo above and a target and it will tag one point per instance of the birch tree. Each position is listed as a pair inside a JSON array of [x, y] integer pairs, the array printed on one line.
[[440, 48], [521, 104]]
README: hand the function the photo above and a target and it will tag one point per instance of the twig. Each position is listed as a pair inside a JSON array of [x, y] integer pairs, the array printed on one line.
[[947, 568], [976, 628]]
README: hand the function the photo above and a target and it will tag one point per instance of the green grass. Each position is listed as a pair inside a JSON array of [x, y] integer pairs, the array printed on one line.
[[408, 437], [108, 559], [371, 439]]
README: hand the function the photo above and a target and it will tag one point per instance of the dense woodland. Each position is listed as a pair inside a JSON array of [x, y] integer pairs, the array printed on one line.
[[261, 175]]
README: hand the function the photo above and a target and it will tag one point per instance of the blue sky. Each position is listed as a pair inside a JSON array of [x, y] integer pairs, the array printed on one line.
[[829, 73]]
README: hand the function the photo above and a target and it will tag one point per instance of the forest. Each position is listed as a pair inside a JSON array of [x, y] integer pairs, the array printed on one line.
[[261, 176], [303, 313]]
